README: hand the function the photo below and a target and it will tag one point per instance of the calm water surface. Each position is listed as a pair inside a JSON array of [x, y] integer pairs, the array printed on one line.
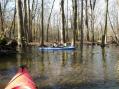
[[92, 68]]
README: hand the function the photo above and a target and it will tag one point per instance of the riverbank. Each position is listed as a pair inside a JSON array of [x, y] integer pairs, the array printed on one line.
[[77, 42]]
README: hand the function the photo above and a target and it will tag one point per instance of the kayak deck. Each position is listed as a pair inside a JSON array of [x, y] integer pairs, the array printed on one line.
[[22, 80]]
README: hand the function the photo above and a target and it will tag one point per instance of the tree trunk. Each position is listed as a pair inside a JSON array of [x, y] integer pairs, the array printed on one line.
[[12, 25], [20, 22], [29, 21], [74, 3], [92, 6], [82, 35], [42, 22], [115, 34], [118, 2], [105, 30], [1, 21], [67, 37], [49, 21], [63, 40], [26, 21], [86, 22], [58, 33]]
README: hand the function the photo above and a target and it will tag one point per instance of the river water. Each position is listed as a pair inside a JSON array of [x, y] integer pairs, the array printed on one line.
[[90, 68]]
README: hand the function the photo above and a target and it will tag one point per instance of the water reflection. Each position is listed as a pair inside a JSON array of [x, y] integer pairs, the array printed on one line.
[[64, 58], [87, 68]]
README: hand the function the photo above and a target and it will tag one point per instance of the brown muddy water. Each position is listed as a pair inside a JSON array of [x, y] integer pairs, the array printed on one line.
[[92, 68]]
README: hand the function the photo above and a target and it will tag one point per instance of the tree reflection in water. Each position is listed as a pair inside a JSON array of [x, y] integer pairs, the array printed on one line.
[[87, 68]]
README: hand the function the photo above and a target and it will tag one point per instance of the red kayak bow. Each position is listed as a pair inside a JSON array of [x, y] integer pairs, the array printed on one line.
[[22, 80]]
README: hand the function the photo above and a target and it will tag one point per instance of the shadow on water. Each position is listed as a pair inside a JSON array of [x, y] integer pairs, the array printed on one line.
[[85, 68]]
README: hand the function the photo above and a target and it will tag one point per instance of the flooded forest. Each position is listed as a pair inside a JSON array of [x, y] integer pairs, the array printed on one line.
[[59, 44]]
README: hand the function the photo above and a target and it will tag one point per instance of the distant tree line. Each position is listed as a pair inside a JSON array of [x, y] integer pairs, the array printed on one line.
[[37, 21]]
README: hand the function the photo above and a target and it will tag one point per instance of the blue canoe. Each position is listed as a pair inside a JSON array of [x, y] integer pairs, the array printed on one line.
[[57, 48]]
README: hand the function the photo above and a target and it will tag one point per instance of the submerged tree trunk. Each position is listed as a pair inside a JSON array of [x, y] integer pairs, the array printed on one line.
[[74, 3], [20, 22], [63, 40], [105, 30]]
